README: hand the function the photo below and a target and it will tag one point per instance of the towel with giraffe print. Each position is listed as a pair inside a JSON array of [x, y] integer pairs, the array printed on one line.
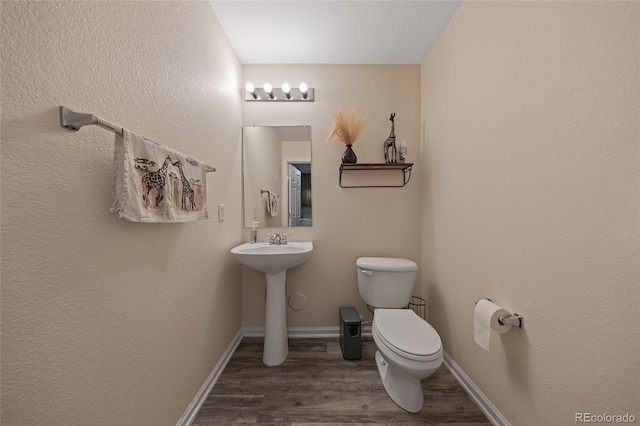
[[153, 183]]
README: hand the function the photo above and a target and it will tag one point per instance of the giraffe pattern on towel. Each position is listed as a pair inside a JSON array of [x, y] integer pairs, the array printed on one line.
[[158, 180], [188, 194]]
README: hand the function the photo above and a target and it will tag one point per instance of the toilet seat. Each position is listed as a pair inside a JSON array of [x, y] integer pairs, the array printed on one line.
[[406, 334]]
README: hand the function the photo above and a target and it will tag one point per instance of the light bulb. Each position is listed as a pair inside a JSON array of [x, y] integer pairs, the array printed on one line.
[[303, 87], [287, 90], [251, 89], [269, 89]]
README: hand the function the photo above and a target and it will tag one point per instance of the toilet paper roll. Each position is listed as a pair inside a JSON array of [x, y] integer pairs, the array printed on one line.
[[485, 318]]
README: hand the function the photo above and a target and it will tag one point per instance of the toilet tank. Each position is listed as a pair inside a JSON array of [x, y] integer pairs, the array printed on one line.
[[386, 282]]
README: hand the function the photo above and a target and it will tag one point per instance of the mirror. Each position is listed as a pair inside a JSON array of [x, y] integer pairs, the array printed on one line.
[[277, 176]]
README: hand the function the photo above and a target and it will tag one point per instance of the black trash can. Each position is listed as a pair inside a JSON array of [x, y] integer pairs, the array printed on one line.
[[350, 333]]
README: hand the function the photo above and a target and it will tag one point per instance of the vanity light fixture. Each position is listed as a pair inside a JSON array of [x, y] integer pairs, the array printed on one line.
[[286, 93]]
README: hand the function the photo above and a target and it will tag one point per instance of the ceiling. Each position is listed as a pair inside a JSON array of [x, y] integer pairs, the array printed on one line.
[[333, 32]]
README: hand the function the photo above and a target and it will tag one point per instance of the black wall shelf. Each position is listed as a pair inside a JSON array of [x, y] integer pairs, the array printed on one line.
[[405, 168]]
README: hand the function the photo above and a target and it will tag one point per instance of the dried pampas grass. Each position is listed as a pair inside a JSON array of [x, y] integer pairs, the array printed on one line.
[[347, 126]]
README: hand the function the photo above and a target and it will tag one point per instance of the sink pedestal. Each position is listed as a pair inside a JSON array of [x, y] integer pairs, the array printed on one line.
[[276, 345]]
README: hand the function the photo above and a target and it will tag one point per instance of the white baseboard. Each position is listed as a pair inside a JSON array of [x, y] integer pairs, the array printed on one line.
[[189, 416], [495, 417], [298, 332]]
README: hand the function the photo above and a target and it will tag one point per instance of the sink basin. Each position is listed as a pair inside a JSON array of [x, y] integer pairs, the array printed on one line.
[[274, 260], [271, 259]]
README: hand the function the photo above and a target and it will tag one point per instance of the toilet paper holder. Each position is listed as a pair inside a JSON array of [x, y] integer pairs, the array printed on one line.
[[514, 319]]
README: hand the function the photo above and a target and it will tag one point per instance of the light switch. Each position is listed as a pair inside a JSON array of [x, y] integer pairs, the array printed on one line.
[[220, 212]]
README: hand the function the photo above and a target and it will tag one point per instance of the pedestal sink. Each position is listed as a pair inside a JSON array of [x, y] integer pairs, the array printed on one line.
[[274, 260]]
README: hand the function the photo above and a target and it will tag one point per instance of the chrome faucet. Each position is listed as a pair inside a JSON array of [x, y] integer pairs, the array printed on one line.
[[277, 238]]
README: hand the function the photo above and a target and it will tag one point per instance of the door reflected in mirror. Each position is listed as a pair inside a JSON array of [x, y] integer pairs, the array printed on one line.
[[277, 176]]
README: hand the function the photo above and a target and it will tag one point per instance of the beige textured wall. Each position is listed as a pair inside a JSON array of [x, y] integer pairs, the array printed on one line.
[[347, 223], [530, 197], [108, 322]]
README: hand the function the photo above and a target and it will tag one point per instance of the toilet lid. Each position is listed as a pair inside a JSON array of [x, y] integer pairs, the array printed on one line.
[[405, 332], [387, 264]]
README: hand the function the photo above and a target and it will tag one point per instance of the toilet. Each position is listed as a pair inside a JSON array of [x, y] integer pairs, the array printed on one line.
[[409, 348]]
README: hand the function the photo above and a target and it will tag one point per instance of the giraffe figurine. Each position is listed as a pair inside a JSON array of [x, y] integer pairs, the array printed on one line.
[[156, 180], [188, 193], [391, 143]]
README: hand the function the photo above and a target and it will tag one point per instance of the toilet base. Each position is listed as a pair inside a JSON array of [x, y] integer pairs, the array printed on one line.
[[404, 390]]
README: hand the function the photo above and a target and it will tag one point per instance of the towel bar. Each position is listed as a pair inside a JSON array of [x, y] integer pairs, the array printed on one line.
[[75, 120]]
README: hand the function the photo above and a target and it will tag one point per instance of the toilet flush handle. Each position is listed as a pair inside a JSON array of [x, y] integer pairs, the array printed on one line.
[[366, 272]]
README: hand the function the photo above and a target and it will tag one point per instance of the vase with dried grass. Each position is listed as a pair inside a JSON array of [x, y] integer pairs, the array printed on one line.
[[347, 127]]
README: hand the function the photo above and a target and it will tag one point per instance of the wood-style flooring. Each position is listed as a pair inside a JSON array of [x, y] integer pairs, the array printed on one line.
[[315, 385]]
